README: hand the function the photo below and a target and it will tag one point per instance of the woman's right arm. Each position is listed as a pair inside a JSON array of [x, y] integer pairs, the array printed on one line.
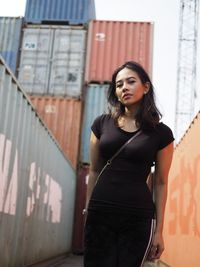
[[95, 165]]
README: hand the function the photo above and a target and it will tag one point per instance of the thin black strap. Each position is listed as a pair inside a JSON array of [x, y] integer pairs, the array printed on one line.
[[118, 151], [123, 146]]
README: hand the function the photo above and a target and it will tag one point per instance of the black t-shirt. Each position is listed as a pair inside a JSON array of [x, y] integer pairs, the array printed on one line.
[[122, 186]]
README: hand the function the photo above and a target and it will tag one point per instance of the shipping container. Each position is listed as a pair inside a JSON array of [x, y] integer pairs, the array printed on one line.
[[37, 183], [63, 11], [63, 117], [111, 43], [80, 204], [182, 219], [95, 104], [10, 38], [52, 60]]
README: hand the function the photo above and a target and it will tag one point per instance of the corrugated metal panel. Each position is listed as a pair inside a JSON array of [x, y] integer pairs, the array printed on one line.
[[37, 183], [10, 34], [35, 59], [79, 219], [68, 11], [95, 104], [52, 60], [68, 62], [63, 118], [111, 43], [182, 219]]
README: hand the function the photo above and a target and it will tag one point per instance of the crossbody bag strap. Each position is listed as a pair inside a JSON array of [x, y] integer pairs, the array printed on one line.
[[116, 154], [123, 146]]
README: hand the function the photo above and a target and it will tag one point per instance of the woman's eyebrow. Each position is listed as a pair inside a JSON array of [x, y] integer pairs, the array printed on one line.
[[128, 78]]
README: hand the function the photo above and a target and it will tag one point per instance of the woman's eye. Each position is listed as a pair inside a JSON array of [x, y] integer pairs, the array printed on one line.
[[119, 85], [131, 81]]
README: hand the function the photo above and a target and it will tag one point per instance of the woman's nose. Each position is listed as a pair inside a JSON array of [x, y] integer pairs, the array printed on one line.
[[124, 87]]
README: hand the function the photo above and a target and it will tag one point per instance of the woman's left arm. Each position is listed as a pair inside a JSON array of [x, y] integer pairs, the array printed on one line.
[[162, 167]]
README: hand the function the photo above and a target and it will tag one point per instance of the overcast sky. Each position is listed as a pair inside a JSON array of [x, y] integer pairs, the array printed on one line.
[[165, 16]]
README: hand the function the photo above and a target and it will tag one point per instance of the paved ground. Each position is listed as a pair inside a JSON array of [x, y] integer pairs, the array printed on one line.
[[71, 261]]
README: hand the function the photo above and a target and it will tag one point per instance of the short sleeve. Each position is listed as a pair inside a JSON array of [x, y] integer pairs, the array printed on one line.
[[97, 126], [166, 136]]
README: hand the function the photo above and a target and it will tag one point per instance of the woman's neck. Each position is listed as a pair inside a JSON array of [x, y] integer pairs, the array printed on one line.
[[130, 113]]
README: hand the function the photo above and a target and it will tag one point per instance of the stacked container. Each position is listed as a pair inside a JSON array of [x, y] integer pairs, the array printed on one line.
[[110, 44], [52, 60], [51, 66], [10, 34], [95, 104], [61, 11], [62, 116]]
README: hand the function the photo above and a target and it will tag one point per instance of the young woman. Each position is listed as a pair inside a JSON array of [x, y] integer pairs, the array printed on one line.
[[119, 229]]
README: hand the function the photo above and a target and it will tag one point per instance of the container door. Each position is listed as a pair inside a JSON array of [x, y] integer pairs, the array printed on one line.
[[68, 62], [35, 60]]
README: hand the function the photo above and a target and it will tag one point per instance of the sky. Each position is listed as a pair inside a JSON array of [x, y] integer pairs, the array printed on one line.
[[164, 14]]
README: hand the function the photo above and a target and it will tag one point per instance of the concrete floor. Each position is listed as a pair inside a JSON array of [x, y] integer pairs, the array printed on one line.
[[71, 261]]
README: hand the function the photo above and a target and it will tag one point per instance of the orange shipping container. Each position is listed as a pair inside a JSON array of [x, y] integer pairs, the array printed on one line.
[[63, 117], [182, 221], [111, 43]]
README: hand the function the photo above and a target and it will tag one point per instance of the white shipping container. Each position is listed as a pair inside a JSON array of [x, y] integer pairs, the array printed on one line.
[[52, 60], [35, 58]]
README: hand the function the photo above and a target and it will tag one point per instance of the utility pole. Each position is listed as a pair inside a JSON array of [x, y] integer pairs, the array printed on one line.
[[187, 65]]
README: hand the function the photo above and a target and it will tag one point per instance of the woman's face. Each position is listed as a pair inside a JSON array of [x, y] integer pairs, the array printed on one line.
[[129, 88]]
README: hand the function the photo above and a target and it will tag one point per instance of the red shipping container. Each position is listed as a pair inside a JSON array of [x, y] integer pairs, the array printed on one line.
[[79, 218], [111, 43], [63, 118]]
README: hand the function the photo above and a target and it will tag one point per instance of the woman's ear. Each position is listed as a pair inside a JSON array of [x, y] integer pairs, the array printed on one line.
[[146, 87]]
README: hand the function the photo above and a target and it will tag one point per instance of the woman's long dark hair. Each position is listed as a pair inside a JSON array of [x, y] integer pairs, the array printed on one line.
[[148, 115]]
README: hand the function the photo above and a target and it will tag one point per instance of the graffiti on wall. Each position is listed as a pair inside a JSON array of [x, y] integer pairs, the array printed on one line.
[[184, 199], [42, 194]]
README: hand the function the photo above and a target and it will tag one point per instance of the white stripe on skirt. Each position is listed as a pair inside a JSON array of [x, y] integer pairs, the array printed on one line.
[[153, 223]]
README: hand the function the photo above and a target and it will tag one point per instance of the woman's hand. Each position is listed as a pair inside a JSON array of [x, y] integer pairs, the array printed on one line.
[[157, 247]]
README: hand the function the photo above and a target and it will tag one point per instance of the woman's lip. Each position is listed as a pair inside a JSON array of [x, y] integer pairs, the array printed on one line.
[[126, 96]]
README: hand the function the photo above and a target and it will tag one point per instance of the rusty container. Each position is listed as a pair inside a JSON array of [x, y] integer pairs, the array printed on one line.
[[63, 117], [111, 43], [182, 219], [79, 218]]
